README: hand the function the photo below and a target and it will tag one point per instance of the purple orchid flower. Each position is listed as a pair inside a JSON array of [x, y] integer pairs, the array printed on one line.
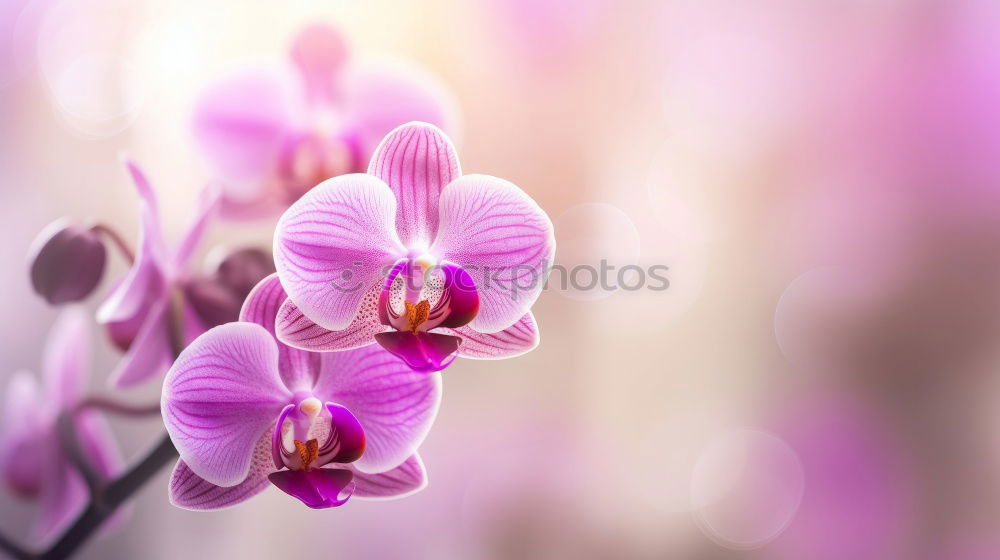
[[33, 463], [140, 311], [270, 137], [244, 410], [413, 255]]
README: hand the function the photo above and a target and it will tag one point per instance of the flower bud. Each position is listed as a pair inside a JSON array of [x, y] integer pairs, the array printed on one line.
[[241, 270], [218, 298], [67, 262]]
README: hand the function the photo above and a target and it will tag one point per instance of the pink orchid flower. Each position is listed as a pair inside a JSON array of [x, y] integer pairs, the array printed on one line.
[[270, 137], [141, 312], [244, 410], [413, 255], [33, 463]]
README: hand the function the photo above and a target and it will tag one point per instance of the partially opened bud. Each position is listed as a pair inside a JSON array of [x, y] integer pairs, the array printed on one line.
[[241, 270], [218, 298], [214, 303], [67, 262]]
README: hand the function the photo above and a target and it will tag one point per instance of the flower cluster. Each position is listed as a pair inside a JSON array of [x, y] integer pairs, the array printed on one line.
[[316, 366]]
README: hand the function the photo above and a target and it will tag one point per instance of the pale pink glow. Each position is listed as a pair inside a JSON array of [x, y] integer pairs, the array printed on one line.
[[746, 488], [587, 235]]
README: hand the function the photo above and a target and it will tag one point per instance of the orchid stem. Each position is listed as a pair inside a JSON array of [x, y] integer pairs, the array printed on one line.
[[113, 495], [69, 438], [123, 246], [112, 406]]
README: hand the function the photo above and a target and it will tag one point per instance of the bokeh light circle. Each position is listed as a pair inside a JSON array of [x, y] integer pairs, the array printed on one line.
[[746, 488], [89, 66]]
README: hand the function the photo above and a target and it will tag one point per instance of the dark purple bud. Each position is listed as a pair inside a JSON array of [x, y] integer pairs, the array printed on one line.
[[214, 303], [67, 262], [241, 270]]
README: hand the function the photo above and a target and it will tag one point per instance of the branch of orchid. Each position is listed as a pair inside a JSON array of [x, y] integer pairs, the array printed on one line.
[[69, 439], [117, 239], [108, 499], [118, 408]]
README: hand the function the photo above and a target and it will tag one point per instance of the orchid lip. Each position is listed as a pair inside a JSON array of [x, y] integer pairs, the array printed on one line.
[[344, 442]]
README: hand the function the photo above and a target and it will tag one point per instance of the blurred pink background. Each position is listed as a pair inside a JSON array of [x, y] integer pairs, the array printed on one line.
[[821, 177]]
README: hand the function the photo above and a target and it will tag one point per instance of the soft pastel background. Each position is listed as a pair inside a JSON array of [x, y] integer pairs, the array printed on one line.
[[822, 177]]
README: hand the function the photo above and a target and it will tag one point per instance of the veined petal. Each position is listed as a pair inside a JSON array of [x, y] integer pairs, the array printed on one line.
[[423, 352], [221, 394], [333, 244], [519, 338], [207, 207], [298, 368], [416, 160], [500, 236], [189, 491], [66, 359], [405, 480], [320, 54], [240, 124], [20, 460], [297, 330], [316, 488], [395, 405], [150, 352]]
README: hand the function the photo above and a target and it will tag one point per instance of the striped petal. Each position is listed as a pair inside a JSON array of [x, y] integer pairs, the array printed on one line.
[[501, 237], [297, 367], [405, 480], [333, 244], [395, 405], [189, 491], [222, 393], [416, 160], [520, 338]]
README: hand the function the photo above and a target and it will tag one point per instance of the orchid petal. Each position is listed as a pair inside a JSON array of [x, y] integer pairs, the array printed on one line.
[[381, 98], [240, 124], [297, 330], [345, 441], [394, 405], [424, 352], [20, 460], [520, 338], [316, 488], [297, 367], [98, 444], [416, 160], [63, 496], [334, 243], [500, 236], [189, 491], [207, 207], [145, 281], [405, 480], [150, 352], [320, 53], [459, 300], [221, 394], [66, 358]]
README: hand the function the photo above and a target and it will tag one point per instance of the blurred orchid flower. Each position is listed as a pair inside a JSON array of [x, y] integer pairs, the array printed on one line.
[[148, 308], [33, 463], [244, 409], [272, 137], [409, 248]]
